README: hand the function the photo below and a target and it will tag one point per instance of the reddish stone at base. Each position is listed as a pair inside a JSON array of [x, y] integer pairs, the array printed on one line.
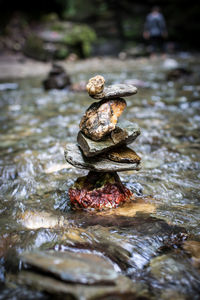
[[98, 191]]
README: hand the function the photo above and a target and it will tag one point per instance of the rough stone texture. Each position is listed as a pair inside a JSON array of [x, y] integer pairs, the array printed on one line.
[[57, 78], [123, 288], [101, 118], [124, 155], [95, 85], [116, 91], [74, 156], [72, 267], [99, 191], [124, 133]]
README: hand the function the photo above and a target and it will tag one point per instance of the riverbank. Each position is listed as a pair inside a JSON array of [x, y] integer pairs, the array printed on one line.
[[17, 66]]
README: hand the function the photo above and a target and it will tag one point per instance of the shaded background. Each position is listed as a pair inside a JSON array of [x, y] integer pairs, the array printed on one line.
[[117, 24]]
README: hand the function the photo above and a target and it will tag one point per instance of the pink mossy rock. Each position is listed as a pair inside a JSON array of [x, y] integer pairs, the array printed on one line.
[[99, 191], [101, 118]]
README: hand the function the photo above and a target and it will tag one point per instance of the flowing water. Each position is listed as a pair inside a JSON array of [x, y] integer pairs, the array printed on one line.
[[144, 240]]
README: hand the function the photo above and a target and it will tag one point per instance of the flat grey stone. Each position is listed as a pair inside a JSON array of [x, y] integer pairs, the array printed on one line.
[[116, 91], [85, 268], [74, 156], [120, 287], [124, 134]]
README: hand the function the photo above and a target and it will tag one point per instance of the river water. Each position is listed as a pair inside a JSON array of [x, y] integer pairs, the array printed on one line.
[[151, 241]]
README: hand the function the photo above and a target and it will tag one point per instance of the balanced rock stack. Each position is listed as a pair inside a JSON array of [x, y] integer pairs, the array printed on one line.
[[102, 148]]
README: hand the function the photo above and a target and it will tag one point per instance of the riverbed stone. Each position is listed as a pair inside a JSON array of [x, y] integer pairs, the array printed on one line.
[[84, 268], [101, 118], [116, 91], [169, 273], [125, 133], [123, 288], [75, 157], [123, 154]]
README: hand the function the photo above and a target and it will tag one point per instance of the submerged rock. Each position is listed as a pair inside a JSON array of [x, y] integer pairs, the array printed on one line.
[[101, 118], [124, 133], [193, 248], [95, 85], [116, 91], [99, 190], [73, 267], [123, 288], [124, 155], [41, 219], [174, 272], [57, 78], [74, 156]]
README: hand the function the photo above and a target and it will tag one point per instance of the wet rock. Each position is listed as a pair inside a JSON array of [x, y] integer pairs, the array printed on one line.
[[116, 91], [174, 272], [101, 118], [8, 86], [193, 248], [124, 155], [74, 156], [41, 219], [177, 73], [170, 64], [57, 78], [124, 288], [85, 268], [125, 133], [130, 242], [99, 191], [95, 85]]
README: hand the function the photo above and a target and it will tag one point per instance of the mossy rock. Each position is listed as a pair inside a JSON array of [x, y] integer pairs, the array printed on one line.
[[36, 48], [80, 38]]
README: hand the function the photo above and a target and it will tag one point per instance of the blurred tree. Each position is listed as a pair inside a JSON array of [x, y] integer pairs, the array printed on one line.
[[127, 16]]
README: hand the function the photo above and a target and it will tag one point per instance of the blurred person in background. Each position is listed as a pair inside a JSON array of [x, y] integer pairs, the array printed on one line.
[[155, 31]]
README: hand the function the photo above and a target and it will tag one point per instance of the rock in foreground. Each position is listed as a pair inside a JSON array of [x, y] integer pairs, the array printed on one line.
[[101, 118], [72, 267], [74, 156], [99, 190], [57, 289], [125, 133]]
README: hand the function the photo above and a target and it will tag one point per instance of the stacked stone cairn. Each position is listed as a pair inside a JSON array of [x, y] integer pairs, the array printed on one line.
[[102, 148]]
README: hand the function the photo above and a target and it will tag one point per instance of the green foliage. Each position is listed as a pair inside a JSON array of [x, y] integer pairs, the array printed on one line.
[[51, 17], [81, 35], [133, 27], [78, 9], [62, 53]]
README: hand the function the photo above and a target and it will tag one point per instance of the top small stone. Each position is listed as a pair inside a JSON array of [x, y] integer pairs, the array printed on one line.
[[95, 85]]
